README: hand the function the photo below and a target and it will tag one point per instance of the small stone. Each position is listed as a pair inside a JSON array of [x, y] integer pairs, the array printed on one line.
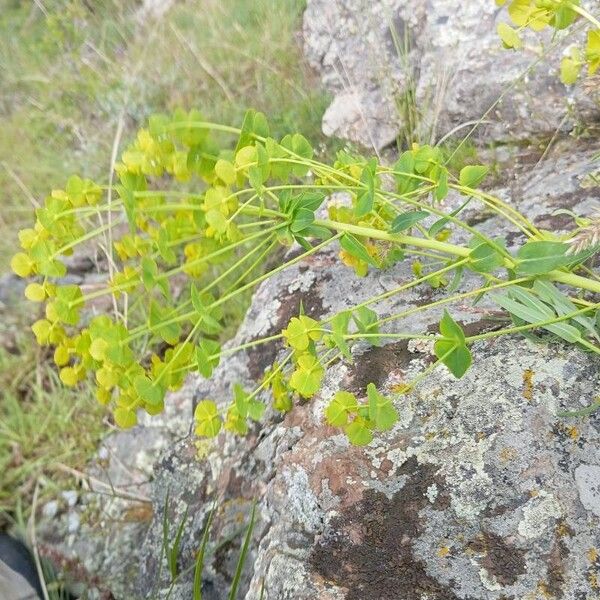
[[73, 522], [70, 497], [50, 509], [539, 514], [432, 493], [587, 479]]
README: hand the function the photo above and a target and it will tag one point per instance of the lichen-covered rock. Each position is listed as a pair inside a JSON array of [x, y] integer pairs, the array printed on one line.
[[95, 537], [481, 491], [443, 60]]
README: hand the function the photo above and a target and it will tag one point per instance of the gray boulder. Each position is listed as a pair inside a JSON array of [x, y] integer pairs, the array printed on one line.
[[481, 490], [444, 60]]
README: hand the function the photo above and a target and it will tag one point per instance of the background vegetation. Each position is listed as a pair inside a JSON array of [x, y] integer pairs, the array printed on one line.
[[76, 79]]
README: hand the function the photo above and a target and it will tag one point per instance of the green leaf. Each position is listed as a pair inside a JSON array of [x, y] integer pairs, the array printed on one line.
[[169, 332], [209, 322], [199, 566], [260, 125], [456, 357], [216, 219], [541, 257], [405, 167], [407, 220], [592, 50], [207, 357], [569, 70], [149, 272], [235, 422], [302, 219], [259, 173], [173, 553], [342, 405], [358, 432], [532, 313], [148, 391], [300, 331], [449, 328], [456, 280], [381, 411], [21, 264], [510, 38], [310, 200], [208, 421], [441, 188], [125, 417], [246, 137], [564, 15], [68, 303], [453, 351], [472, 176], [525, 13], [366, 197], [225, 171], [356, 248], [247, 406], [339, 328], [484, 259], [279, 170], [366, 322], [233, 590], [426, 157], [306, 379], [299, 145], [550, 294]]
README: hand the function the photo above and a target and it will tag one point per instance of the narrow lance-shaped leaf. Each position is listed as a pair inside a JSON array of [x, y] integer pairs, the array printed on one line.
[[407, 220], [356, 248], [540, 257]]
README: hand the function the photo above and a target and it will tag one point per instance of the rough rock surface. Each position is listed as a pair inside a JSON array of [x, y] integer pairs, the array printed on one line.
[[446, 58], [481, 491]]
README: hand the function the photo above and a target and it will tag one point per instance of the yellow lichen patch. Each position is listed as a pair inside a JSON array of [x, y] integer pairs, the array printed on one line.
[[543, 591], [203, 447], [508, 454], [592, 555], [563, 530], [534, 493], [594, 581], [142, 513], [443, 552], [573, 432], [400, 388], [528, 385]]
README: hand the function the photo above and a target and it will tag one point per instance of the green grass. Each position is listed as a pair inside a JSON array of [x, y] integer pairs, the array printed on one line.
[[43, 424]]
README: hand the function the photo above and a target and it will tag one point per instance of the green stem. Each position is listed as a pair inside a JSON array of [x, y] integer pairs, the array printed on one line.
[[449, 299], [403, 287], [519, 328], [452, 249], [584, 13], [268, 275], [84, 238], [270, 377], [397, 238], [400, 336]]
